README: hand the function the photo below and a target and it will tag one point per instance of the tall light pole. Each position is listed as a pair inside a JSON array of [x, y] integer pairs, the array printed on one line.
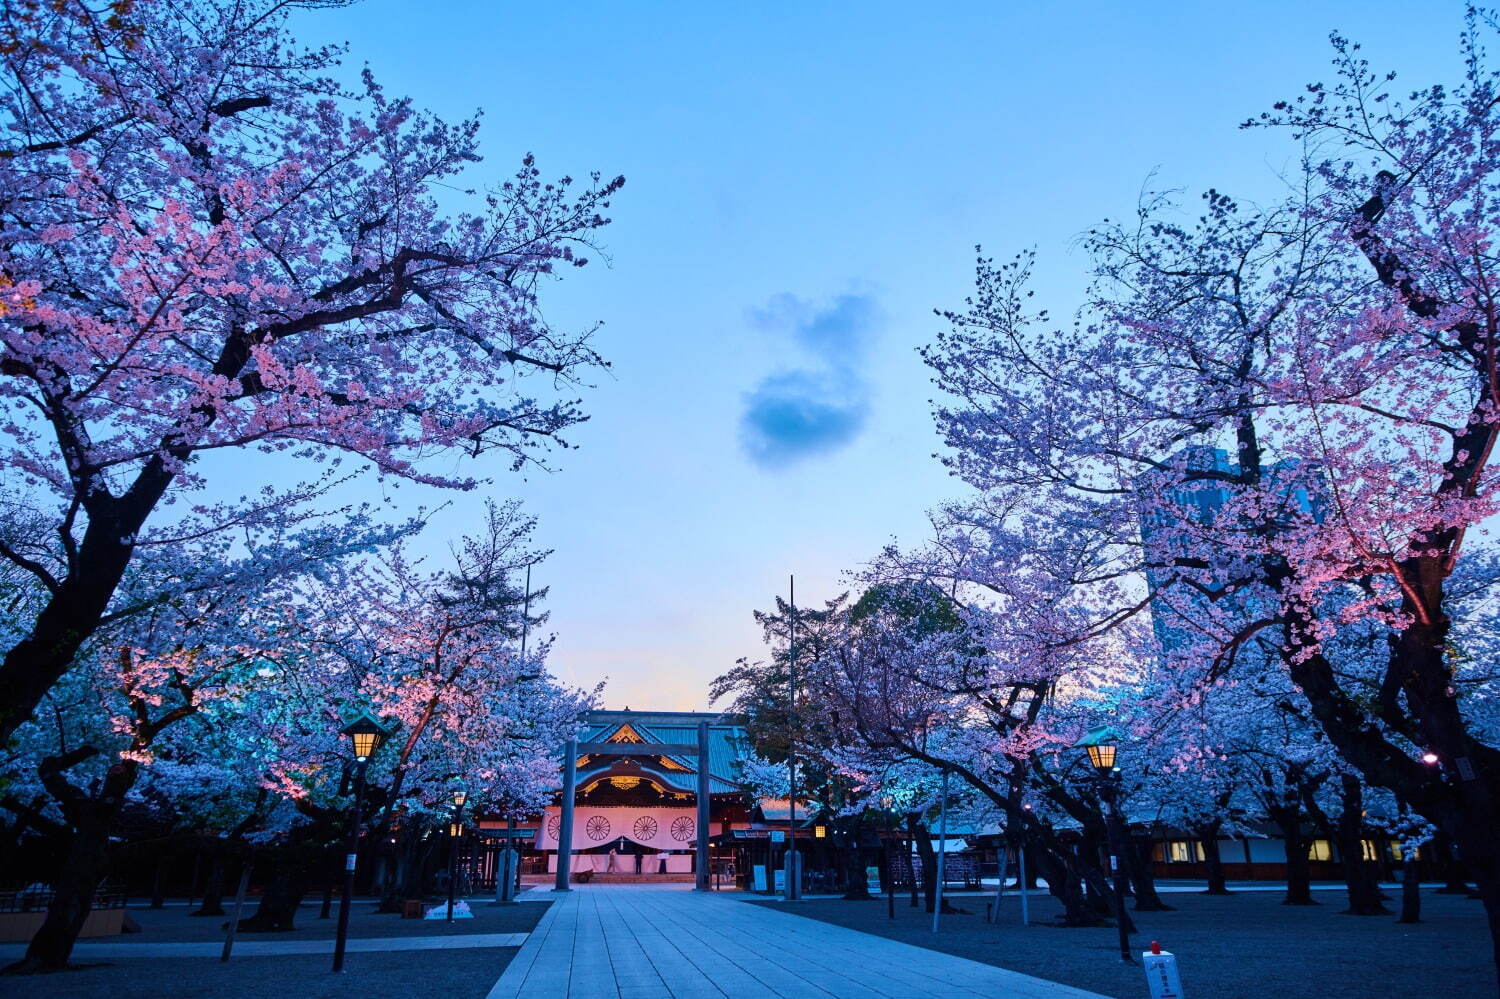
[[1101, 745], [937, 909], [793, 866], [365, 736], [455, 831]]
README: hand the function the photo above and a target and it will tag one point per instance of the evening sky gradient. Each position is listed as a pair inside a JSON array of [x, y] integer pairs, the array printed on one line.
[[805, 184]]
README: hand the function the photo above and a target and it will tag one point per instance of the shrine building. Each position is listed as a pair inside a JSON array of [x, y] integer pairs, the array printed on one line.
[[641, 795]]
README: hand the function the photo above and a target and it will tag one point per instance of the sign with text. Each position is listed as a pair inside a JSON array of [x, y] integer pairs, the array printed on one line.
[[758, 876], [1161, 975]]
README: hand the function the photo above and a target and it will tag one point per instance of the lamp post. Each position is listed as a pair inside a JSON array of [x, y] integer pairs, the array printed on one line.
[[1102, 745], [455, 831], [365, 736]]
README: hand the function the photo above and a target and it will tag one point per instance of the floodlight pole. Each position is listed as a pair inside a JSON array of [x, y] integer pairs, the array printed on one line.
[[793, 866], [937, 909]]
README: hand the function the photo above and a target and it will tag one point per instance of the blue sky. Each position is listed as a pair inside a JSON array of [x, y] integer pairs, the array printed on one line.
[[806, 183]]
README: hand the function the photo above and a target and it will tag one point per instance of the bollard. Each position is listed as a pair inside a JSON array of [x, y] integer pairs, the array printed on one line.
[[1161, 973]]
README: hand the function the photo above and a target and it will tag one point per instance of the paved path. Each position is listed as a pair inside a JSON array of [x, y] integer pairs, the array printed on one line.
[[634, 942], [86, 950]]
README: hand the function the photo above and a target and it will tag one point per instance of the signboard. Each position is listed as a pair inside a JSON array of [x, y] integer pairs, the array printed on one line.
[[872, 875], [758, 875], [781, 881], [1161, 974], [778, 836]]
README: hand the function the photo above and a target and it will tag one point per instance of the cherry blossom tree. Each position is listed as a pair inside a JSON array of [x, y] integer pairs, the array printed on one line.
[[209, 244], [1282, 419]]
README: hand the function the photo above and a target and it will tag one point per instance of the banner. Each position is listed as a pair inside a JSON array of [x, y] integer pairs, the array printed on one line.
[[598, 828]]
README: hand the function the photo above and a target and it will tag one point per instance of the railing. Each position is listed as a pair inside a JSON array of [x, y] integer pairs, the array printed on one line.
[[38, 899]]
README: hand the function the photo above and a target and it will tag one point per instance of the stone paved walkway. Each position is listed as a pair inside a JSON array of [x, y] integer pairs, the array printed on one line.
[[632, 942]]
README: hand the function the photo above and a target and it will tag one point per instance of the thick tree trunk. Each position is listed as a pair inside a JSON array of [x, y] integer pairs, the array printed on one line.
[[1298, 869], [858, 883], [1411, 891], [1143, 876], [158, 883], [1065, 877], [213, 894], [83, 867], [1360, 875], [1455, 878], [927, 856], [277, 911], [1208, 835]]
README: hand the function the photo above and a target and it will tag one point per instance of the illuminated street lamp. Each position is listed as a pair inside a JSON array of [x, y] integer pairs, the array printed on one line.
[[365, 734], [455, 833], [1102, 746]]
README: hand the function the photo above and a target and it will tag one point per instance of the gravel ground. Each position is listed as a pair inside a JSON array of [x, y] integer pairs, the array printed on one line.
[[461, 974], [464, 973], [1247, 946], [174, 924]]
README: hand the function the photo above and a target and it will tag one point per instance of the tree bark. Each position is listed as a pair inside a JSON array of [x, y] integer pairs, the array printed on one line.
[[277, 911], [927, 856], [213, 893], [84, 866], [1143, 875], [1455, 880], [1411, 890], [1298, 869], [158, 883], [857, 885], [1208, 835], [1360, 875]]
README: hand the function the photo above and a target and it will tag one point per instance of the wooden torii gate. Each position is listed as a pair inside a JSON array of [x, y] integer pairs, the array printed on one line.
[[571, 752]]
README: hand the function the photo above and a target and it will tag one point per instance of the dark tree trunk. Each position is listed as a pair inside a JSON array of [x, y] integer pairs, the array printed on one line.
[[213, 894], [1143, 875], [1063, 870], [1208, 835], [84, 866], [277, 911], [1411, 891], [1298, 868], [158, 883], [1455, 878], [856, 880], [927, 856], [1361, 876]]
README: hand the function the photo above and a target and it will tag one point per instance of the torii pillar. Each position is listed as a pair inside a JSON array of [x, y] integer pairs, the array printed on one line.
[[703, 797]]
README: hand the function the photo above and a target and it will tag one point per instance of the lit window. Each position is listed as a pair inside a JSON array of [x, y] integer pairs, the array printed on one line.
[[1320, 849], [1369, 849], [1180, 854]]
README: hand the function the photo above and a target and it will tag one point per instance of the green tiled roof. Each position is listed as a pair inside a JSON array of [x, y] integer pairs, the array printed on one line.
[[727, 741]]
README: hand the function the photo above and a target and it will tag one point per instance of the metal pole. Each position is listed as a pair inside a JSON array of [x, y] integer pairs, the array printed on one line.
[[526, 611], [1004, 866], [239, 905], [452, 856], [565, 830], [793, 868], [349, 857], [701, 879], [937, 909], [1025, 910], [1116, 847]]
